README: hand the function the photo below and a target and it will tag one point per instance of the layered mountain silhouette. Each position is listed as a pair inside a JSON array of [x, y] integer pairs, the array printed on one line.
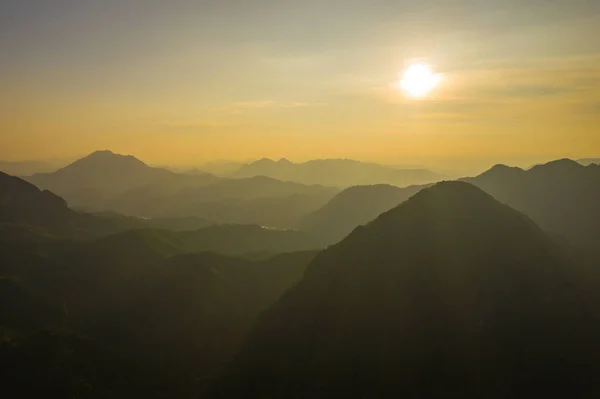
[[104, 181], [449, 294], [561, 196], [337, 172], [353, 207], [259, 200], [25, 206], [103, 175]]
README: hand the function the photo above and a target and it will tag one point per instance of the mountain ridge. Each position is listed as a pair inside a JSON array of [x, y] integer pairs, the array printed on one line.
[[449, 293]]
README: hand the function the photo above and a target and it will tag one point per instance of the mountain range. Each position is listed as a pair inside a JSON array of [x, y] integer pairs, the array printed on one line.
[[485, 287], [449, 294], [561, 196], [104, 181], [340, 173]]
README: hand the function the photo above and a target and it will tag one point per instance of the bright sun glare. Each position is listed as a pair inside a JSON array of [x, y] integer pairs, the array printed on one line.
[[418, 80]]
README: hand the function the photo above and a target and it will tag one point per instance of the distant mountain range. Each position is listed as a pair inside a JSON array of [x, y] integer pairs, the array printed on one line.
[[450, 294], [337, 172], [102, 176], [104, 181], [27, 211], [561, 196]]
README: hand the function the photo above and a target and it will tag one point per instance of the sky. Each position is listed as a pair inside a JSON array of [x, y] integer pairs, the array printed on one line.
[[183, 82]]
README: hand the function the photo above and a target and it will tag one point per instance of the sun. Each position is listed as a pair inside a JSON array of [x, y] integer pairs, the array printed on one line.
[[418, 80]]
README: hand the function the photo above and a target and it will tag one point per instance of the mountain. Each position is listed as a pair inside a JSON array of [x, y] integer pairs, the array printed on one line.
[[337, 172], [26, 168], [449, 294], [353, 207], [104, 181], [121, 317], [561, 196], [589, 161], [257, 200], [21, 201], [24, 205], [103, 175]]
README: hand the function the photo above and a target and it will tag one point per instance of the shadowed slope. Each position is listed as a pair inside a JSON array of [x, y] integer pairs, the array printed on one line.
[[449, 294]]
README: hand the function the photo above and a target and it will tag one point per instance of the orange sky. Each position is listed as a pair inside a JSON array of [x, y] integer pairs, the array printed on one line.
[[182, 84]]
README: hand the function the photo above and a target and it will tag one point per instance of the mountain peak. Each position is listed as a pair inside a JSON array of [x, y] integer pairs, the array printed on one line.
[[106, 159], [448, 200], [102, 153], [501, 170], [559, 164], [449, 280]]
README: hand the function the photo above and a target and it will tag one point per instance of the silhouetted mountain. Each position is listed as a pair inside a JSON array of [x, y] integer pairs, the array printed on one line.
[[561, 196], [25, 206], [104, 181], [23, 202], [337, 172], [589, 161], [103, 175], [353, 207], [259, 200], [449, 294]]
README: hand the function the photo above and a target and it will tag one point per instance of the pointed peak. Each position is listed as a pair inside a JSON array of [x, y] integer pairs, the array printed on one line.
[[107, 156], [451, 188]]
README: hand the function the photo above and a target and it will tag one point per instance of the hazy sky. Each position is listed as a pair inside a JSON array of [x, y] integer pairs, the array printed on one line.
[[184, 81]]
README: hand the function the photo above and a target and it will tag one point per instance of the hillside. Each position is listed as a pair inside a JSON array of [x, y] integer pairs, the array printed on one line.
[[561, 196], [103, 175], [449, 294], [123, 317], [353, 207]]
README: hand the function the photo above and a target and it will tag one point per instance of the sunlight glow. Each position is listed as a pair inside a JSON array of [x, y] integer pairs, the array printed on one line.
[[418, 80]]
